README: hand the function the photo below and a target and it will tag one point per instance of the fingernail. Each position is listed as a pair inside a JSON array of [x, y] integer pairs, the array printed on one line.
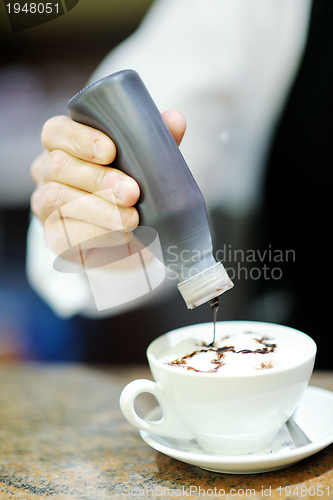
[[99, 150], [121, 189]]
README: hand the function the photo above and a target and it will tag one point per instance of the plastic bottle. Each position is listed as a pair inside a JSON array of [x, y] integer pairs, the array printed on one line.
[[170, 201]]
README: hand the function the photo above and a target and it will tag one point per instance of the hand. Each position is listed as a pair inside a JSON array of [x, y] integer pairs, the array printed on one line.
[[72, 167]]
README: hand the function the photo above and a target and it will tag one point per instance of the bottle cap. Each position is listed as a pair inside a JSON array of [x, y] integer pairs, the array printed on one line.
[[204, 286]]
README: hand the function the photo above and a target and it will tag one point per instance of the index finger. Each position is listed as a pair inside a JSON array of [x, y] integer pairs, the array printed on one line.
[[81, 141]]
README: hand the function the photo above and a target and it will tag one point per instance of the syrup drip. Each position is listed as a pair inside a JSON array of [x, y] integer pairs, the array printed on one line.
[[215, 307]]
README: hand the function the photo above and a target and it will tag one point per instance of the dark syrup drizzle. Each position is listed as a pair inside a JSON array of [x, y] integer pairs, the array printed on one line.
[[215, 307], [218, 360]]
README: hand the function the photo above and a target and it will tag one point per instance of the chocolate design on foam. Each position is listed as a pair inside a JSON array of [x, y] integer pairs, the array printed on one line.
[[218, 360]]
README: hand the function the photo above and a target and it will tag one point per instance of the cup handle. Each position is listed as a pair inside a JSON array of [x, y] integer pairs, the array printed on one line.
[[167, 425]]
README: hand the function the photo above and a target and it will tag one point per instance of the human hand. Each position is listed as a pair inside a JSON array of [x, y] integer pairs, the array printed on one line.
[[72, 166]]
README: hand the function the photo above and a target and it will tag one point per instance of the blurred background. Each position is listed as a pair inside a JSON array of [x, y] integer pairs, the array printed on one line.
[[41, 69]]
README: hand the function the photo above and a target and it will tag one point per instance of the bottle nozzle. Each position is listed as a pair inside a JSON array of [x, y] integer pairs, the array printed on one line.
[[205, 286], [214, 302]]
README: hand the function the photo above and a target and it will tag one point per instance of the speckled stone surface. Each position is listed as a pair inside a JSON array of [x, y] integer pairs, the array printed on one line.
[[62, 436]]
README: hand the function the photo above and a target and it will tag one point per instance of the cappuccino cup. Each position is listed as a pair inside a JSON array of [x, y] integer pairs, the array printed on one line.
[[232, 398]]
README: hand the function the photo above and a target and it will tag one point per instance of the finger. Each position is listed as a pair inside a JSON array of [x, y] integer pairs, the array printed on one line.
[[87, 143], [176, 123], [115, 255], [75, 241], [64, 234], [111, 184], [73, 203]]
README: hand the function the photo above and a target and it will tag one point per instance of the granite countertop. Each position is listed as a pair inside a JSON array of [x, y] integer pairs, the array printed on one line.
[[63, 437]]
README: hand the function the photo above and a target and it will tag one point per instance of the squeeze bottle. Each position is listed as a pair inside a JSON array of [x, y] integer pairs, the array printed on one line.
[[170, 201]]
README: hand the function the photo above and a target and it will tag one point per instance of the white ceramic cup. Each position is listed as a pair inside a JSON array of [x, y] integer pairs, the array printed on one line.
[[225, 414]]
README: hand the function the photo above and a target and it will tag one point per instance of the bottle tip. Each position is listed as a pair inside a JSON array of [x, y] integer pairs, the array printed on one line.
[[214, 302], [205, 286]]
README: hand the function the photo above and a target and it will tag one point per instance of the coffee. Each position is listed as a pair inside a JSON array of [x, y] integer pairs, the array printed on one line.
[[233, 398], [238, 353]]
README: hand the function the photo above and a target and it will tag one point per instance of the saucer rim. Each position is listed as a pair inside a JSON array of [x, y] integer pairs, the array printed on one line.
[[240, 464]]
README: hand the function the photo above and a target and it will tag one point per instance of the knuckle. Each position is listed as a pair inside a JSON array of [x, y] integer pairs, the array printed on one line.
[[89, 136], [51, 197], [56, 163], [78, 136], [100, 180], [81, 139]]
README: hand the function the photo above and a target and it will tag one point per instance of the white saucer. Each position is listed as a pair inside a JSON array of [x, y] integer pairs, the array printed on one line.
[[316, 407]]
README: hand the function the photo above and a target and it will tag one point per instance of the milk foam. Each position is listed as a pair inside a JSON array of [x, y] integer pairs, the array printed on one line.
[[241, 353]]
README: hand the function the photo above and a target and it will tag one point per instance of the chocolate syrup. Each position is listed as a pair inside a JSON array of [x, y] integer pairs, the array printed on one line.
[[218, 361], [215, 307]]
